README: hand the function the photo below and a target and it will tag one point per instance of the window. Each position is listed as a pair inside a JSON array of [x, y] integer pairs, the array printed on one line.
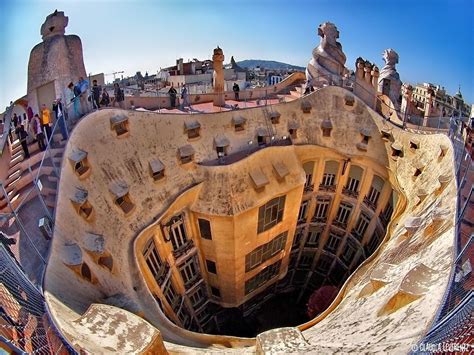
[[198, 297], [333, 242], [170, 294], [343, 214], [125, 203], [353, 184], [177, 232], [152, 259], [326, 127], [308, 169], [85, 210], [203, 316], [215, 292], [306, 261], [263, 136], [387, 212], [397, 150], [374, 193], [303, 212], [361, 226], [183, 316], [329, 177], [106, 261], [296, 240], [190, 272], [374, 242], [321, 212], [355, 176], [293, 260], [262, 277], [80, 168], [211, 266], [265, 252], [313, 236], [350, 250], [86, 272], [270, 214], [324, 263], [205, 228], [81, 204]]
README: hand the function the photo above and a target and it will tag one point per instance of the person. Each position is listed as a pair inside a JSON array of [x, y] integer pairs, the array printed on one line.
[[236, 89], [119, 96], [15, 120], [45, 121], [185, 97], [96, 89], [22, 136], [38, 132], [105, 101], [72, 97], [59, 113], [83, 85], [172, 91]]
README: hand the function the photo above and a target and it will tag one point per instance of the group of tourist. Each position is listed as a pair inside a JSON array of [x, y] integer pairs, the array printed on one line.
[[37, 127], [184, 96], [80, 96]]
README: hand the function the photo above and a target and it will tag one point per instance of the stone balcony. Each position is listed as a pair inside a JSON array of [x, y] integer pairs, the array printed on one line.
[[350, 193]]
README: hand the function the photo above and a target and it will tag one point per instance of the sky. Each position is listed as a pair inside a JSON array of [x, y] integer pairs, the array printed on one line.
[[434, 39]]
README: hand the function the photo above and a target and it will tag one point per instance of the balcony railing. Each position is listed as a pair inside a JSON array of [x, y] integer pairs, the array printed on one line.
[[309, 188], [183, 249], [162, 274], [192, 281], [350, 193], [339, 224], [319, 219], [370, 204], [328, 188]]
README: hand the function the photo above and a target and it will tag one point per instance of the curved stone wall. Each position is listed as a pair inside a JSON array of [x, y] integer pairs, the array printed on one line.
[[126, 201]]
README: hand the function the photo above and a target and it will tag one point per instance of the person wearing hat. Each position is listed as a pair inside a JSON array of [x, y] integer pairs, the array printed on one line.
[[58, 111]]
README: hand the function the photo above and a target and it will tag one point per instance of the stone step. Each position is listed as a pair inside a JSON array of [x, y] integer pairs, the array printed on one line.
[[50, 200], [53, 178], [13, 174], [15, 161]]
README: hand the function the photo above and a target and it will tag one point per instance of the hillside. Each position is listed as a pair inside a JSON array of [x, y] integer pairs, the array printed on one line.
[[267, 64]]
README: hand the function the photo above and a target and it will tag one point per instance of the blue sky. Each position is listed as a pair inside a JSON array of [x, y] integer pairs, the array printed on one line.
[[434, 39]]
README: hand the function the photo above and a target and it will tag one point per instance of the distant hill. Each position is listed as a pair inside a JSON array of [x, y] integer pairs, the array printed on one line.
[[267, 64]]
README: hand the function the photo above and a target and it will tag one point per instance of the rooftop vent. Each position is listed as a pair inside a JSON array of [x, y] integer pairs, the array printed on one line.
[[79, 163], [192, 128], [157, 169], [238, 123], [119, 190], [281, 170], [186, 153], [120, 125], [259, 179]]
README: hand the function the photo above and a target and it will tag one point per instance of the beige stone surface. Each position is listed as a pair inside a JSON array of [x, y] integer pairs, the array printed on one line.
[[226, 194]]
